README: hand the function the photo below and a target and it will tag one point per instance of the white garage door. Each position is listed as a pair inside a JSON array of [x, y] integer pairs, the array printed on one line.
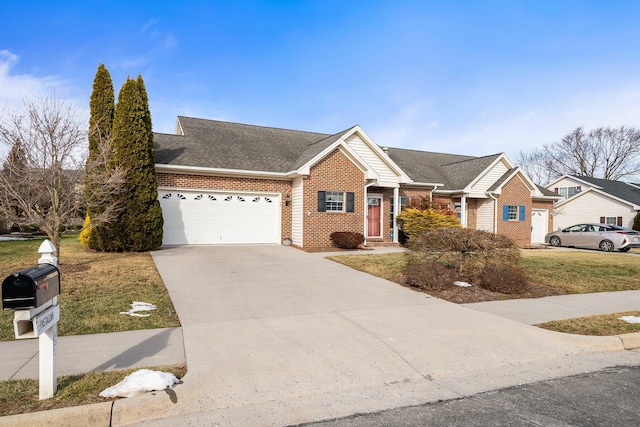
[[209, 218]]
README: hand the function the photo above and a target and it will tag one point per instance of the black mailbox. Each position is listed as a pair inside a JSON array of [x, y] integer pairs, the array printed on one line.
[[30, 288]]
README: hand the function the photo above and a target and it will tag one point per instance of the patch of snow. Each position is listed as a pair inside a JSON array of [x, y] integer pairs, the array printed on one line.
[[139, 382], [462, 284], [139, 306], [630, 319]]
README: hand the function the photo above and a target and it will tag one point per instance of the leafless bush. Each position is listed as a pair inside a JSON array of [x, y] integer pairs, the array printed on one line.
[[430, 275], [346, 239], [466, 250], [503, 278]]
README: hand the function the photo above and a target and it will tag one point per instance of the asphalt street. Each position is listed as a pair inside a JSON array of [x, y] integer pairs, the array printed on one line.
[[604, 398]]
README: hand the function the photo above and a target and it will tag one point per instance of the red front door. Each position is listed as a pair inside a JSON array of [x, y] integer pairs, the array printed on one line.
[[373, 217]]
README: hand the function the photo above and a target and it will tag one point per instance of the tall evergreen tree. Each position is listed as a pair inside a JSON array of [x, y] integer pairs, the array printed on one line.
[[101, 105], [139, 226], [145, 214]]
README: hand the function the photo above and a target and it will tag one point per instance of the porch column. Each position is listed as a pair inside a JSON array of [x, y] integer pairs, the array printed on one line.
[[366, 213], [396, 210], [463, 211]]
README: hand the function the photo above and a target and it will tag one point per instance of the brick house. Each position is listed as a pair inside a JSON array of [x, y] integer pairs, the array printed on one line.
[[230, 183]]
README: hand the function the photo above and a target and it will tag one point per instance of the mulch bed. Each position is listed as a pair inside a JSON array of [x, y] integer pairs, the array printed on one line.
[[462, 295]]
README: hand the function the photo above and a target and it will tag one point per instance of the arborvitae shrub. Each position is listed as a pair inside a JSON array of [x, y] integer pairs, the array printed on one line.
[[346, 239]]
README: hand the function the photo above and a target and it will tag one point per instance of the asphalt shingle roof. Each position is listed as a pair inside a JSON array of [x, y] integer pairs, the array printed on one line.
[[618, 189], [454, 171], [224, 145]]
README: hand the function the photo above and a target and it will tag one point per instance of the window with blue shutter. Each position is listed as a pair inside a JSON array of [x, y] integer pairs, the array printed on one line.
[[513, 213]]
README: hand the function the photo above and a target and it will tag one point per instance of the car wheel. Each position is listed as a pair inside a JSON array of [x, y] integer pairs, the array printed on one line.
[[554, 241], [606, 245], [624, 249]]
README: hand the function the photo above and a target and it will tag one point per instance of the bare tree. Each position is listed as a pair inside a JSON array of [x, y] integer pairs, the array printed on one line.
[[609, 153], [41, 182], [534, 165]]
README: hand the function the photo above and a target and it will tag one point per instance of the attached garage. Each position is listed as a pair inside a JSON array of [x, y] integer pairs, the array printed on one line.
[[196, 217]]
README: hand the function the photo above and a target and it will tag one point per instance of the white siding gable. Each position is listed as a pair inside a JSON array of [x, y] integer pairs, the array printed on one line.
[[373, 161], [589, 207], [489, 177], [568, 182]]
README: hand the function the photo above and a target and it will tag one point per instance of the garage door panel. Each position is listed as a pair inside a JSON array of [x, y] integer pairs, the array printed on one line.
[[192, 217]]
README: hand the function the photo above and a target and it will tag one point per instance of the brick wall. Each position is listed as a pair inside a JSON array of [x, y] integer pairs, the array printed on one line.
[[333, 173], [232, 184], [515, 192]]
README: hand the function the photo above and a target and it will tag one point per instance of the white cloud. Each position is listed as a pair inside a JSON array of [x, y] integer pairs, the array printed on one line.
[[15, 87]]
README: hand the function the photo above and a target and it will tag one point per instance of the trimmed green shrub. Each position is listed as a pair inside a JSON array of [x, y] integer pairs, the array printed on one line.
[[346, 239]]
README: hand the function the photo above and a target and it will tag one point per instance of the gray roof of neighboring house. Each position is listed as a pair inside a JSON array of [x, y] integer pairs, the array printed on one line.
[[225, 145], [619, 189]]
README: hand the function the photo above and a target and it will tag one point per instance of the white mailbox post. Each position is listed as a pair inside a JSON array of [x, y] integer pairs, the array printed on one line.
[[45, 325], [33, 294]]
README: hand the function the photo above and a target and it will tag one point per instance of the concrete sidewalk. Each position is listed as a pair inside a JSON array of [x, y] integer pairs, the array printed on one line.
[[276, 336], [80, 354], [539, 310]]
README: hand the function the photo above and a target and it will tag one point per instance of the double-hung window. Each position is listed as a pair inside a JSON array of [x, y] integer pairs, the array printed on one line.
[[567, 192], [513, 213], [335, 201]]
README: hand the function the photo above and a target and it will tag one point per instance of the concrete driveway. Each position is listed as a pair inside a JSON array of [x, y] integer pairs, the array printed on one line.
[[277, 336]]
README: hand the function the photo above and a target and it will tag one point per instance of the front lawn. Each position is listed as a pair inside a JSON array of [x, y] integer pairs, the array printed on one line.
[[94, 288], [552, 272]]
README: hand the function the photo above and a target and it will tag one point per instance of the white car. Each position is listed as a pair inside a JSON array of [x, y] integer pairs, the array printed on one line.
[[606, 237]]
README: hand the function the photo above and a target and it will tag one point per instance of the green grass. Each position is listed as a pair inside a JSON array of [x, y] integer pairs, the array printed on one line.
[[600, 325], [21, 396], [94, 288]]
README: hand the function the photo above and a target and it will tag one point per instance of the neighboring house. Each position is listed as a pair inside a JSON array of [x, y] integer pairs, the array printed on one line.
[[229, 183], [594, 200]]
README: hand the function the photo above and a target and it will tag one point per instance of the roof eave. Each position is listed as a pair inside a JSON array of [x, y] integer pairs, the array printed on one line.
[[196, 170]]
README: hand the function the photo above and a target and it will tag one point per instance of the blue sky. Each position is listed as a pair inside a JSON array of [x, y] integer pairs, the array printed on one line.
[[467, 77]]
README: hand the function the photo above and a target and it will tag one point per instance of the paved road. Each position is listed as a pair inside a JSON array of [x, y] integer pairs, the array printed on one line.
[[605, 398]]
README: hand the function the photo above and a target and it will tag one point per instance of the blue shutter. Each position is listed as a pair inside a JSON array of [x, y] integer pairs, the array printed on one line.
[[505, 212], [322, 201], [350, 202], [522, 212]]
